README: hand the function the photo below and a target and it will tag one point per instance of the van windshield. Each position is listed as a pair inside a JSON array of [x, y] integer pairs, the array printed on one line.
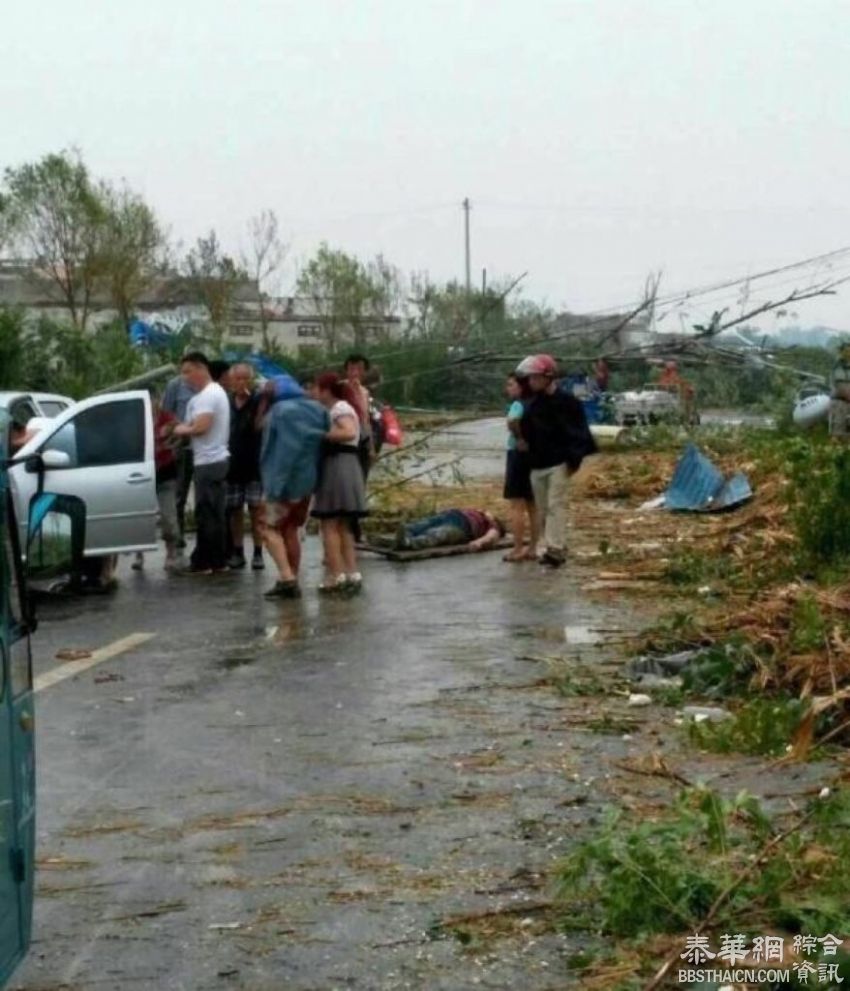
[[52, 408]]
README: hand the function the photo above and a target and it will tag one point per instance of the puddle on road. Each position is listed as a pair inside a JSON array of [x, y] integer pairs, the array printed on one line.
[[273, 636], [286, 632], [573, 634]]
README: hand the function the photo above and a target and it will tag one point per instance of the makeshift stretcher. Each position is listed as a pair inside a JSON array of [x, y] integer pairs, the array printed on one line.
[[391, 553]]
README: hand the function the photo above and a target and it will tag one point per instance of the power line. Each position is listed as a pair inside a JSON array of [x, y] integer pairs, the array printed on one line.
[[456, 364], [467, 258], [594, 318]]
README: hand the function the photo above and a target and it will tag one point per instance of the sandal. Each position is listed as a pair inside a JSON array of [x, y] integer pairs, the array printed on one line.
[[330, 587]]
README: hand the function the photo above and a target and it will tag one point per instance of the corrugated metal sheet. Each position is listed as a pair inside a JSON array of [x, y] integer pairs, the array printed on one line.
[[698, 486]]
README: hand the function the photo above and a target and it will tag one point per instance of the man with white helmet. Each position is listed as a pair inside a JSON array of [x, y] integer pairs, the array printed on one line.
[[555, 432]]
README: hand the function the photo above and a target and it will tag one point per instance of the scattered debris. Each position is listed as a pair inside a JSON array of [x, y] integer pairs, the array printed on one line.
[[698, 486], [621, 585], [665, 667], [657, 502], [581, 635], [452, 923], [653, 766], [72, 654], [166, 908], [706, 713], [62, 863]]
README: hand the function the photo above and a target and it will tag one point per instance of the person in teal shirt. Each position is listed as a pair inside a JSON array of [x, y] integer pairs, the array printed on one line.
[[518, 476]]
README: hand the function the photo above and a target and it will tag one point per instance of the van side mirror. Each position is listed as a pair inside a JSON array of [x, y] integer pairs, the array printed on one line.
[[45, 460], [52, 458]]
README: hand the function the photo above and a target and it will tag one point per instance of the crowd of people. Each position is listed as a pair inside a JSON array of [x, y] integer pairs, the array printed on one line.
[[548, 438], [280, 452], [275, 455]]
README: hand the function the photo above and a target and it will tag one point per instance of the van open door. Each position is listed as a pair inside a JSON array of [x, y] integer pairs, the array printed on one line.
[[14, 914], [100, 451], [58, 522], [17, 753]]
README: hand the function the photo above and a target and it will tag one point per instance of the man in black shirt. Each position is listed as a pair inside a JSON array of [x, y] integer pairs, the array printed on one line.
[[243, 479], [555, 432]]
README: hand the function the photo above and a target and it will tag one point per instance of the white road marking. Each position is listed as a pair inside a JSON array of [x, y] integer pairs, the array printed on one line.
[[71, 668]]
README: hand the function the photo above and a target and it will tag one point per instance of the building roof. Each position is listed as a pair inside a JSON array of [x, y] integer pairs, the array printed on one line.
[[24, 285]]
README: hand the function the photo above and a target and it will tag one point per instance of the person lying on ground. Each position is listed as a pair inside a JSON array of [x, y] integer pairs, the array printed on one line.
[[476, 528]]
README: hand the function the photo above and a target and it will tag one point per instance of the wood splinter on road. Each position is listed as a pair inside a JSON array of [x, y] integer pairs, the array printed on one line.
[[71, 668]]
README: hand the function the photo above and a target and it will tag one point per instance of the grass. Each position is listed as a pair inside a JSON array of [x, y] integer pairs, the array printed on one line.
[[570, 679], [716, 858], [777, 634], [761, 726], [696, 569]]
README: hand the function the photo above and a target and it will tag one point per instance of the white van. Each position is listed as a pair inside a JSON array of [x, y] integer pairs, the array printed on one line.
[[100, 450]]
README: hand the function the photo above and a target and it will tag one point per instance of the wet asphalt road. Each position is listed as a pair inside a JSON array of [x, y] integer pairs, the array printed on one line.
[[290, 795], [269, 796]]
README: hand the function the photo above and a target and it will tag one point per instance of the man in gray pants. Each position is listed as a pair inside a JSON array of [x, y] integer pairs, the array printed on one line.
[[175, 400], [207, 425]]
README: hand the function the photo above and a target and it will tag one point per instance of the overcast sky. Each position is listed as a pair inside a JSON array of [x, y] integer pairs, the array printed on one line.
[[597, 140]]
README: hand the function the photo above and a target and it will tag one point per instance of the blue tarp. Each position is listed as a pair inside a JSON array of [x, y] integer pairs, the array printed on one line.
[[149, 335], [260, 363], [698, 486]]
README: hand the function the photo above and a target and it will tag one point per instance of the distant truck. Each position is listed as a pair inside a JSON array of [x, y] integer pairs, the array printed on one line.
[[646, 406], [670, 399]]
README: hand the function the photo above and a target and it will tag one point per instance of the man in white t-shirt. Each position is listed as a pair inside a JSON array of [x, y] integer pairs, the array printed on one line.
[[207, 425]]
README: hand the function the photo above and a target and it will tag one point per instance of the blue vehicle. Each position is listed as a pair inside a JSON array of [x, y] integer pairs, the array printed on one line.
[[597, 405], [55, 542]]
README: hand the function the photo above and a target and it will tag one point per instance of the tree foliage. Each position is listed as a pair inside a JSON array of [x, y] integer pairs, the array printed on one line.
[[215, 277], [56, 356], [53, 208], [347, 294], [133, 247], [85, 237], [263, 260]]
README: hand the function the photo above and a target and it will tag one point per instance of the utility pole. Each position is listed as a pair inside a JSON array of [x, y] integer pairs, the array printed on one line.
[[466, 208]]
